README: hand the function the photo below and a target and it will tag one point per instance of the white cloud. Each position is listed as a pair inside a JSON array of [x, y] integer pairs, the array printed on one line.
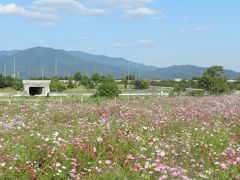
[[14, 9], [185, 18], [72, 6], [47, 24], [124, 3], [142, 42], [160, 16], [202, 29], [182, 31], [50, 11], [146, 42], [131, 8], [199, 29], [123, 45], [139, 12]]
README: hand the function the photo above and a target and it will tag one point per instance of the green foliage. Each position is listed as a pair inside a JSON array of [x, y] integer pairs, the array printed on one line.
[[214, 81], [166, 83], [237, 84], [196, 93], [17, 84], [8, 81], [124, 81], [70, 84], [141, 84], [57, 86], [186, 84], [108, 88], [96, 78], [179, 87], [77, 77], [86, 81], [127, 80], [238, 80], [40, 78], [130, 77]]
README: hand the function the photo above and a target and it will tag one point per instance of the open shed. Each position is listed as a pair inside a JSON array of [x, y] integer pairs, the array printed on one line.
[[37, 87]]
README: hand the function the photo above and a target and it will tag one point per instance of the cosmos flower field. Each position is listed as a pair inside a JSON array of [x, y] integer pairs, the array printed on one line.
[[140, 138]]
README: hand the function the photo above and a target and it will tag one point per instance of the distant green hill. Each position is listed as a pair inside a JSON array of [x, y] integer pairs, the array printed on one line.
[[186, 72], [29, 63]]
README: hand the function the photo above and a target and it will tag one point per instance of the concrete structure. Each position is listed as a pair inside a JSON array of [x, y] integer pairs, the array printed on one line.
[[36, 87], [237, 93]]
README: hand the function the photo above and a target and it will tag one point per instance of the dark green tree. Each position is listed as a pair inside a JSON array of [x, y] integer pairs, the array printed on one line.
[[130, 77], [214, 81], [77, 77], [2, 85], [8, 81], [17, 84], [96, 78], [180, 87], [237, 84], [56, 85], [70, 84], [108, 88], [141, 84], [86, 81]]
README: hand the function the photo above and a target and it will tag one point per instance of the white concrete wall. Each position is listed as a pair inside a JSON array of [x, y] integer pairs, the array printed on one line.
[[36, 83]]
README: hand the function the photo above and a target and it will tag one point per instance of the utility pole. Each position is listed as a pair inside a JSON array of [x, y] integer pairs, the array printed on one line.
[[42, 72], [14, 68], [5, 70], [128, 78], [56, 67]]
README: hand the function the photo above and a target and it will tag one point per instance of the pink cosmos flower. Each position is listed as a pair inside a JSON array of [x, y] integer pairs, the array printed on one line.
[[163, 177], [34, 175], [99, 139], [108, 162], [223, 166]]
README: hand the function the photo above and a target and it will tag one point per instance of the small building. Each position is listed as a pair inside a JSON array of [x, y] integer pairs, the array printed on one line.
[[36, 87], [178, 79]]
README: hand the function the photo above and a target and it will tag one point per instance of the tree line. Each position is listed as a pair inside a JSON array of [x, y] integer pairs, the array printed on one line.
[[10, 82], [212, 81]]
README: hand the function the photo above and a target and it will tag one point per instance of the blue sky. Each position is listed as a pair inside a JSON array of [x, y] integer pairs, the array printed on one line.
[[153, 32]]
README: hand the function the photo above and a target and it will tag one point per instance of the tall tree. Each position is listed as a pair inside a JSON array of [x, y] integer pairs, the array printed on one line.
[[214, 81], [108, 88]]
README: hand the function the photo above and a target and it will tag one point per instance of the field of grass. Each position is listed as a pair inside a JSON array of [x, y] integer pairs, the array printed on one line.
[[7, 90], [129, 89], [139, 138]]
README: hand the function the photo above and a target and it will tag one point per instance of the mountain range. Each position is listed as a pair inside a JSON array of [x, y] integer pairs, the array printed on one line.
[[31, 62]]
